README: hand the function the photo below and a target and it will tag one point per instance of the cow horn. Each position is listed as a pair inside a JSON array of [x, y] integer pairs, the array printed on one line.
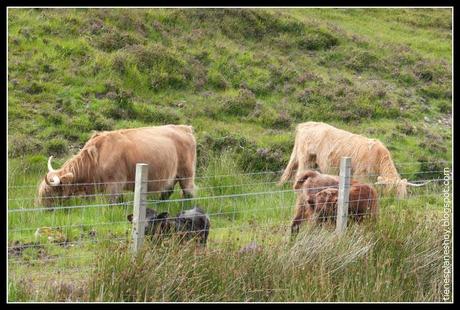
[[418, 184], [50, 168], [56, 181]]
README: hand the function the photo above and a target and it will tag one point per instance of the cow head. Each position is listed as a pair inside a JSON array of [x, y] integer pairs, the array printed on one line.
[[57, 177], [54, 185], [325, 202], [399, 184], [302, 177], [155, 224]]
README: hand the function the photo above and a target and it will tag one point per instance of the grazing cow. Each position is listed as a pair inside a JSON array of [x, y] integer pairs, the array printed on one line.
[[308, 183], [155, 224], [316, 189], [322, 145], [108, 162], [188, 224], [362, 202]]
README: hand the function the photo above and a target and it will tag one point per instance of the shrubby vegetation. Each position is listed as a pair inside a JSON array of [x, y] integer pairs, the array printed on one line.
[[75, 71]]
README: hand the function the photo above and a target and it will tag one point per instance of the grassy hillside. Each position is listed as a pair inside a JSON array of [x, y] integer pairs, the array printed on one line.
[[242, 78]]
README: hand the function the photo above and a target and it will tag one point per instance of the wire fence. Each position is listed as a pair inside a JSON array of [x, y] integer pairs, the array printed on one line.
[[74, 227], [403, 165]]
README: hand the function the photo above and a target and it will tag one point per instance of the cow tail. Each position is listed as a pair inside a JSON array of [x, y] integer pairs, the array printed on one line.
[[290, 168]]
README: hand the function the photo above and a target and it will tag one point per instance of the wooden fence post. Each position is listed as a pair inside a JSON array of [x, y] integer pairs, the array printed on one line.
[[344, 192], [140, 197]]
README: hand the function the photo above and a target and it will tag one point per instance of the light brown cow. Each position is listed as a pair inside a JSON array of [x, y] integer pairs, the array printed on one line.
[[319, 145], [109, 160], [317, 198]]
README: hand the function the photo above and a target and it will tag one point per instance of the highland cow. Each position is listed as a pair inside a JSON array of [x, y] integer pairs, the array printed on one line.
[[321, 145], [108, 161], [317, 196]]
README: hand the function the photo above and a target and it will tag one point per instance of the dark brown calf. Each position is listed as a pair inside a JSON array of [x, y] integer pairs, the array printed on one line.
[[308, 183], [309, 186], [362, 202]]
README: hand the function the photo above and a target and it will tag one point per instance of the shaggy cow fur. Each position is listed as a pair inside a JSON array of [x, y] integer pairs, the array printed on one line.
[[317, 198], [321, 145], [110, 158], [188, 224], [309, 183], [362, 202]]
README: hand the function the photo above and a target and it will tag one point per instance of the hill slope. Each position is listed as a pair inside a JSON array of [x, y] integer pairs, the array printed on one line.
[[242, 78]]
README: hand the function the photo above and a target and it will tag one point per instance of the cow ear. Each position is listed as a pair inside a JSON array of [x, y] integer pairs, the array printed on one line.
[[130, 218], [302, 178], [67, 178], [299, 182]]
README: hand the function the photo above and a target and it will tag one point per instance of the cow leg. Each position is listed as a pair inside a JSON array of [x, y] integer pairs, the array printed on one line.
[[311, 162], [297, 221], [115, 191], [303, 214], [295, 226], [306, 162], [187, 184], [167, 192], [301, 167]]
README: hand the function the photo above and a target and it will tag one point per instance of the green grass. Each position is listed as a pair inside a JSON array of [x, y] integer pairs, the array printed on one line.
[[75, 71], [319, 266], [243, 79], [402, 247]]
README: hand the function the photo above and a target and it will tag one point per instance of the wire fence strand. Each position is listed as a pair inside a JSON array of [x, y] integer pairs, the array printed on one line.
[[233, 175], [199, 188], [70, 207]]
